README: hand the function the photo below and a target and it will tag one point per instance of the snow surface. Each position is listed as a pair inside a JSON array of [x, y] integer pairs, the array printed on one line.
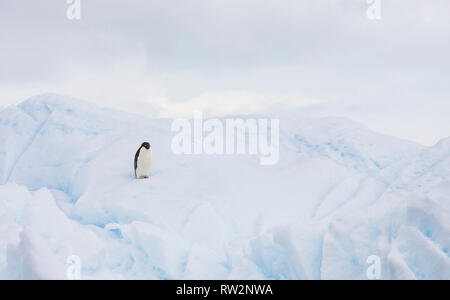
[[339, 194]]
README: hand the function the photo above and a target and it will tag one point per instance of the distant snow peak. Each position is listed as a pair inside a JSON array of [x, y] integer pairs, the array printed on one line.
[[231, 136]]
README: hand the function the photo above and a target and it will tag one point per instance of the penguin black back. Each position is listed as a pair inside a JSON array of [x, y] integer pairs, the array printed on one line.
[[136, 160]]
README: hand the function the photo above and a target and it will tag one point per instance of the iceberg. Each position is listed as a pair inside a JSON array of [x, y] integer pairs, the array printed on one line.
[[339, 194]]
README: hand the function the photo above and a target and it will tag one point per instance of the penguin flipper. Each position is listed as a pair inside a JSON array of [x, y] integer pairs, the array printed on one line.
[[136, 161]]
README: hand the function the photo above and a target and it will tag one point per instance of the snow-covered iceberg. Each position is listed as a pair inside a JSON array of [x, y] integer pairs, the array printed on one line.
[[339, 194]]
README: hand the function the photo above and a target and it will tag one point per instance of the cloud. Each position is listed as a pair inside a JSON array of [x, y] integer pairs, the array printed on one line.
[[219, 103], [168, 57]]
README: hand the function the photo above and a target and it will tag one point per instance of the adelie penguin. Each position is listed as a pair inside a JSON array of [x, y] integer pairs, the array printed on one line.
[[143, 161]]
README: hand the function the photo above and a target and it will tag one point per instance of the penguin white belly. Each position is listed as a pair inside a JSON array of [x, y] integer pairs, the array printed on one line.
[[144, 163]]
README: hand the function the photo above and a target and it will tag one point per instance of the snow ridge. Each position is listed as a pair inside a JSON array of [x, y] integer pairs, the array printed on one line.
[[339, 194]]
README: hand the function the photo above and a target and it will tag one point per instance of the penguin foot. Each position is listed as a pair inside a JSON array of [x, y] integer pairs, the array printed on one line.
[[143, 177]]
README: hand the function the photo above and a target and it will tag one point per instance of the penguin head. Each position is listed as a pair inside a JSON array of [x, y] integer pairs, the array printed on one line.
[[146, 145]]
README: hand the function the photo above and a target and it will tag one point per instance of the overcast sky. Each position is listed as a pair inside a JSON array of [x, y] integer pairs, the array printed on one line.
[[169, 57]]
